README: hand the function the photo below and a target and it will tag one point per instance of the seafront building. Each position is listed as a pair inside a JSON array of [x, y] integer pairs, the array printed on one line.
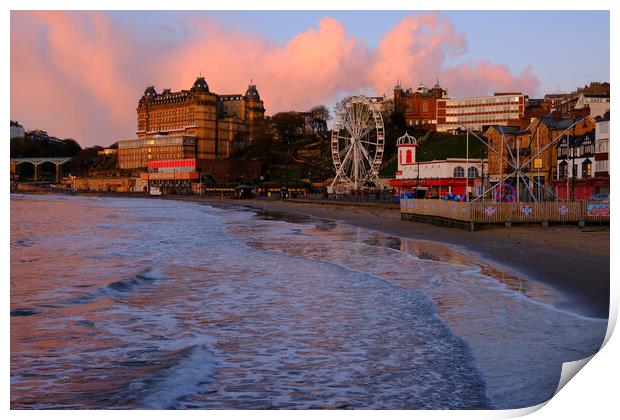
[[575, 167], [554, 166], [176, 176], [478, 113], [137, 153], [17, 130], [601, 153], [218, 124], [437, 178], [106, 184], [583, 163]]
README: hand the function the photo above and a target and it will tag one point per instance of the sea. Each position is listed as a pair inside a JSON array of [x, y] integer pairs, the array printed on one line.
[[137, 303]]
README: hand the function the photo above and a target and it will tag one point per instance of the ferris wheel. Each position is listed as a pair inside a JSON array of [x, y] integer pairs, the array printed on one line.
[[358, 140]]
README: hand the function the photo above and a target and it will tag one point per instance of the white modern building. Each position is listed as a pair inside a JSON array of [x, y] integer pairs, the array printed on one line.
[[479, 112]]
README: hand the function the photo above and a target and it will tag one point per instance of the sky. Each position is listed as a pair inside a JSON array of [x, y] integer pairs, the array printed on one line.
[[80, 74]]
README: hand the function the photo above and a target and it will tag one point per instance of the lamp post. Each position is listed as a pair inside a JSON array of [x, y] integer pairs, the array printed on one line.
[[572, 187], [418, 183], [482, 173]]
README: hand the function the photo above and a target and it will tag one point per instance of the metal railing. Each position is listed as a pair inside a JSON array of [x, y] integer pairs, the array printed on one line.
[[349, 198]]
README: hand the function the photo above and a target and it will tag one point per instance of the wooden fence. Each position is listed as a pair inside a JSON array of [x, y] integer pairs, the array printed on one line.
[[439, 208], [491, 212]]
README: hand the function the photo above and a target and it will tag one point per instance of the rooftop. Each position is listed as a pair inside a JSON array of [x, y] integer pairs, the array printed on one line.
[[559, 123], [510, 129], [406, 139]]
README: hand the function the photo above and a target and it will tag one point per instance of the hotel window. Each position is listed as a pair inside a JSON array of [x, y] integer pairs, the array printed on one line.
[[459, 172]]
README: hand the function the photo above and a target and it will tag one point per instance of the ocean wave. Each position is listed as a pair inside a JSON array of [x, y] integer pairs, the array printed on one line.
[[23, 312], [118, 288], [144, 278], [191, 368]]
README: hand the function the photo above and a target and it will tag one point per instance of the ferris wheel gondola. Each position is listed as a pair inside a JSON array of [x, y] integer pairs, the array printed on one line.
[[358, 141]]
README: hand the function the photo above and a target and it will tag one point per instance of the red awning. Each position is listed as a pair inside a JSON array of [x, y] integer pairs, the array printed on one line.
[[439, 182]]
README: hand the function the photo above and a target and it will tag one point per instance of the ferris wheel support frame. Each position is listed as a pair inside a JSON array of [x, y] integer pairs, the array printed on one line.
[[356, 166]]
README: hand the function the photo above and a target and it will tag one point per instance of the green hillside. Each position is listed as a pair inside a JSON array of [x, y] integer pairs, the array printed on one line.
[[440, 146]]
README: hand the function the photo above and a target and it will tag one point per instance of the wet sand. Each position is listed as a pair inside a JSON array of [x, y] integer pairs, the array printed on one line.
[[572, 260]]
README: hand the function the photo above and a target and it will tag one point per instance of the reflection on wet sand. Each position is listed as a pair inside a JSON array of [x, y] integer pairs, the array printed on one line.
[[518, 337], [427, 250]]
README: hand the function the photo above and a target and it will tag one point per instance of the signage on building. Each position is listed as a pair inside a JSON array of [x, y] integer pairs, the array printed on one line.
[[598, 209]]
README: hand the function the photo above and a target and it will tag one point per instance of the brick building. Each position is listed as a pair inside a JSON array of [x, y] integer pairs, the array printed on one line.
[[419, 107], [217, 122], [525, 143]]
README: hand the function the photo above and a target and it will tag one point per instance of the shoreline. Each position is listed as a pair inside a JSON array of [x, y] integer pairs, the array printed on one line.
[[573, 261], [580, 276]]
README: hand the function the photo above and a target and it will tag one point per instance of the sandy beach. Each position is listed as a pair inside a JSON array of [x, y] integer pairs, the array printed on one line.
[[573, 260]]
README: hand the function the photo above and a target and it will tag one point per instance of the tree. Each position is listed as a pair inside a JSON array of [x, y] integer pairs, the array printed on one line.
[[240, 141], [83, 161], [262, 142], [33, 147], [319, 115], [288, 125], [388, 107]]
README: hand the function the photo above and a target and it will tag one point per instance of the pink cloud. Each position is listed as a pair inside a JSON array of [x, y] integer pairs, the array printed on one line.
[[80, 74], [310, 67], [414, 50], [484, 78], [67, 72]]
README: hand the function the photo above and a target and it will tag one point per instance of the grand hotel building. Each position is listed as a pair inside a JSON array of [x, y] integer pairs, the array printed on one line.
[[194, 123]]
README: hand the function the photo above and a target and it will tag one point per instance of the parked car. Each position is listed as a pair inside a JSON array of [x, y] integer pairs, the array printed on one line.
[[155, 191]]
